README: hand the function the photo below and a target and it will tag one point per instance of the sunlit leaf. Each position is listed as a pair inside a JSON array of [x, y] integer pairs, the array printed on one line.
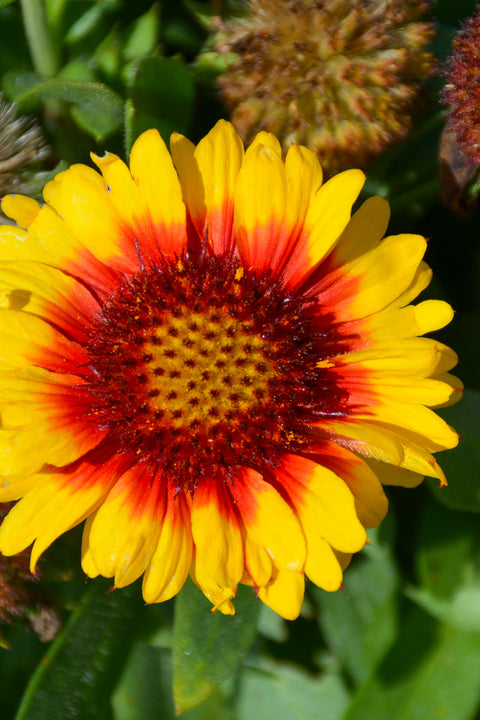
[[209, 647], [145, 690]]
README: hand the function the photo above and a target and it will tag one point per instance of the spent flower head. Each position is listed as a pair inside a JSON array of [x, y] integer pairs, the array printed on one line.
[[460, 142], [23, 152], [339, 77], [461, 93]]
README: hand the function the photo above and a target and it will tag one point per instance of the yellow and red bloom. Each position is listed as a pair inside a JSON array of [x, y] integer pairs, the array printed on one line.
[[216, 369]]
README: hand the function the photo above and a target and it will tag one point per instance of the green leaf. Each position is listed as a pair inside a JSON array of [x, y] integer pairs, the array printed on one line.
[[447, 550], [446, 562], [433, 671], [284, 692], [209, 647], [215, 707], [92, 121], [89, 21], [98, 109], [161, 96], [361, 623], [78, 69], [142, 35], [463, 490], [78, 674], [145, 688], [271, 625], [462, 611]]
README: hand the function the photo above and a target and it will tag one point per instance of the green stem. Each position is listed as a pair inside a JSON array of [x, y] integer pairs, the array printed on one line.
[[43, 49]]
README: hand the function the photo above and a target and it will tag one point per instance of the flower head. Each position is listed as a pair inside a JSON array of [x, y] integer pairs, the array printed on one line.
[[23, 150], [339, 77], [215, 369], [461, 94]]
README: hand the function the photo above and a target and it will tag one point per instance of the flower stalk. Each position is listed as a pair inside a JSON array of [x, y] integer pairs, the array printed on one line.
[[44, 50]]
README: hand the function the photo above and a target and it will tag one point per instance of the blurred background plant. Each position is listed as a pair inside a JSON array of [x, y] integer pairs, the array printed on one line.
[[339, 77], [379, 84]]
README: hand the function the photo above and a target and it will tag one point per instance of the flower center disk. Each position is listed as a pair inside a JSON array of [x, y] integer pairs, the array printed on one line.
[[203, 369]]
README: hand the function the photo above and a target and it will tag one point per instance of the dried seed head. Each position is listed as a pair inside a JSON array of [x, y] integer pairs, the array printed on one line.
[[461, 94], [23, 152], [337, 76]]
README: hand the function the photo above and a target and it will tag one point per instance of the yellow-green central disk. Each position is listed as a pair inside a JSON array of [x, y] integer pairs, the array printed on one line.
[[204, 366]]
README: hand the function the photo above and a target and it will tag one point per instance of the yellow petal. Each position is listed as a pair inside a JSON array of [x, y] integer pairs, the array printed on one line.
[[26, 451], [260, 201], [48, 293], [81, 198], [415, 422], [88, 563], [304, 178], [183, 153], [150, 198], [122, 190], [158, 184], [421, 357], [213, 517], [269, 522], [266, 140], [371, 505], [363, 233], [170, 563], [394, 323], [20, 208], [219, 595], [322, 566], [54, 505], [421, 280], [14, 488], [371, 282], [124, 532], [391, 475], [284, 594], [366, 439], [258, 562], [386, 451], [208, 174], [324, 503], [329, 212]]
